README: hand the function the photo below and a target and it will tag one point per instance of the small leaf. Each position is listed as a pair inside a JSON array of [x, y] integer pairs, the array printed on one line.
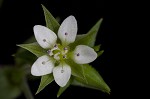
[[89, 38], [76, 69], [45, 80], [80, 36], [51, 22], [62, 89], [97, 48], [100, 53], [34, 48], [93, 80]]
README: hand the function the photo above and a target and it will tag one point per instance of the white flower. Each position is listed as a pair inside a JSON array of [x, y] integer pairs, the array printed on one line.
[[47, 39]]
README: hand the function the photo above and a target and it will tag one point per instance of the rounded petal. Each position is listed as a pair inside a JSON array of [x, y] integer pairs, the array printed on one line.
[[84, 54], [68, 30], [62, 74], [44, 36], [42, 66]]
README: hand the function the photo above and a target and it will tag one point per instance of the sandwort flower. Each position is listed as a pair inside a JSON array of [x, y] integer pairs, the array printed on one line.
[[58, 51]]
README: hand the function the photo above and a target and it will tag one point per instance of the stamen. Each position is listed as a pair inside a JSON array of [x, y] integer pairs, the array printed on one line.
[[49, 51], [78, 54], [56, 56], [65, 50]]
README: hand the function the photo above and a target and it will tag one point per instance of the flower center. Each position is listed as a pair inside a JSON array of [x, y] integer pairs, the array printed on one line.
[[58, 52]]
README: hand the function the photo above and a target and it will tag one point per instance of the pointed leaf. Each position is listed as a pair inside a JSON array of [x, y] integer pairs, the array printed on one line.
[[97, 47], [93, 80], [89, 38], [51, 22], [76, 69], [100, 53], [45, 80], [34, 48], [62, 89]]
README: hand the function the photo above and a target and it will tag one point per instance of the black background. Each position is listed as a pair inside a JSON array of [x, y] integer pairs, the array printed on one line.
[[17, 18]]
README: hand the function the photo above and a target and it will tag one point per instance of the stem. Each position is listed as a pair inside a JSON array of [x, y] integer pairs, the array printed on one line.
[[26, 90]]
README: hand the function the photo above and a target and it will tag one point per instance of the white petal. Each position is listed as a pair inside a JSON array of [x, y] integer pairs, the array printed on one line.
[[68, 30], [42, 66], [62, 74], [44, 36], [84, 54]]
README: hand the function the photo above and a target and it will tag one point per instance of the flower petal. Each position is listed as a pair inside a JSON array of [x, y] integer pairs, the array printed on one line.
[[42, 66], [44, 36], [68, 30], [62, 74], [84, 54]]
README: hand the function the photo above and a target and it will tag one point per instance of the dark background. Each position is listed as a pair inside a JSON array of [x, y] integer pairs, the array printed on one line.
[[17, 18]]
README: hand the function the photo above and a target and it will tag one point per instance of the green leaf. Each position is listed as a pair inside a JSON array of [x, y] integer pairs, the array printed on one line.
[[34, 48], [93, 80], [51, 22], [97, 48], [45, 80], [76, 69], [100, 53], [89, 38], [62, 89]]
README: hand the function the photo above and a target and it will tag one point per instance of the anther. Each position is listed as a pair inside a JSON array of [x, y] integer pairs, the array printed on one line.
[[49, 51]]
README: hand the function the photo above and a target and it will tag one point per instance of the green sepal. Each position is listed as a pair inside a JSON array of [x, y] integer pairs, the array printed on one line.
[[62, 89], [76, 69], [34, 48], [89, 38], [45, 80], [51, 22], [100, 53], [97, 47], [92, 80]]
